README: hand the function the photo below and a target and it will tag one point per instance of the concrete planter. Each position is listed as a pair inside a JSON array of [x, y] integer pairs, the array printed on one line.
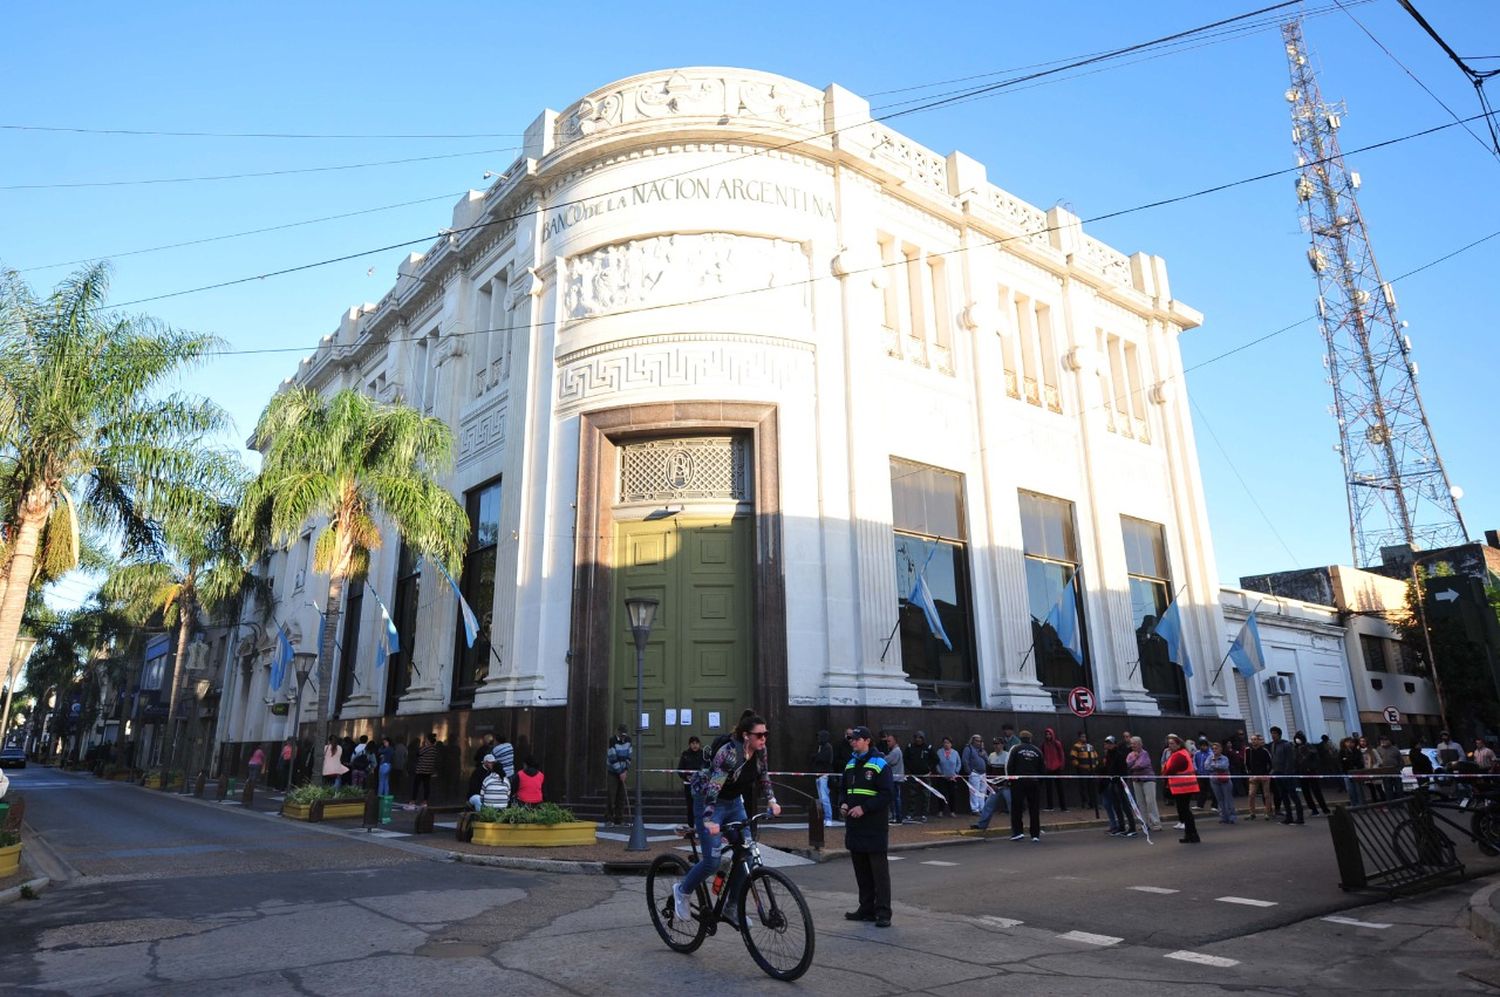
[[578, 832], [157, 782], [10, 859], [331, 810]]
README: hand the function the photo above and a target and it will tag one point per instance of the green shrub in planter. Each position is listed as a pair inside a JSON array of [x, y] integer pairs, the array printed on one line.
[[8, 838], [542, 813], [304, 796]]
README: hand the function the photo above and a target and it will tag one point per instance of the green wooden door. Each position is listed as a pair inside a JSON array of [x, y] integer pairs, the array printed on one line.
[[700, 653]]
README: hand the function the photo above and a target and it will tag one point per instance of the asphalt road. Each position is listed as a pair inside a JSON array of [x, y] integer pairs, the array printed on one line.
[[171, 896]]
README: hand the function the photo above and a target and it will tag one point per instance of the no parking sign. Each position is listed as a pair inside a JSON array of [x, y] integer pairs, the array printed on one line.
[[1081, 701]]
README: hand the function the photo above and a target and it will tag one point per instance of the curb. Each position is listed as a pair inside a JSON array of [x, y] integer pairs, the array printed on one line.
[[1484, 920], [531, 865], [14, 893]]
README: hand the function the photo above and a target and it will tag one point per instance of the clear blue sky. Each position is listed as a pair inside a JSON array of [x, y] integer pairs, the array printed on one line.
[[1098, 142]]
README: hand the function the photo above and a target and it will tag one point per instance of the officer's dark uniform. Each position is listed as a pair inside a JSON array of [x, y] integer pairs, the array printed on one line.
[[1025, 760], [867, 784]]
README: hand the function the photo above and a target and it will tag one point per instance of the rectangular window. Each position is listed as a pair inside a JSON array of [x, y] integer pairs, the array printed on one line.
[[931, 545], [408, 592], [1030, 364], [348, 652], [1008, 346], [893, 279], [1333, 719], [1050, 545], [1150, 594], [1373, 649], [477, 584]]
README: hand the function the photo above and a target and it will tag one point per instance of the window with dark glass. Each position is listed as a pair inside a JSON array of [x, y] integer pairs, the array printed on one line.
[[1150, 594], [1050, 546], [354, 608], [408, 591], [470, 664], [1373, 649], [931, 545]]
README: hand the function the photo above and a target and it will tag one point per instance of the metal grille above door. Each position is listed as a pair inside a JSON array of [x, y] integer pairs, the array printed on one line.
[[697, 468]]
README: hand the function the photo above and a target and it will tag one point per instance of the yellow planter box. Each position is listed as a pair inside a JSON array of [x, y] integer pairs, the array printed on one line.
[[578, 832], [331, 810], [10, 859], [295, 812]]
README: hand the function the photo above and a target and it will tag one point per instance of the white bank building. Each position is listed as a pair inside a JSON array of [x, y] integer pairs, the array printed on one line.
[[718, 338]]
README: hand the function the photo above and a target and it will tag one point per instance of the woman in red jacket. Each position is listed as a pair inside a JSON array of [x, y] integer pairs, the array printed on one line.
[[1182, 783]]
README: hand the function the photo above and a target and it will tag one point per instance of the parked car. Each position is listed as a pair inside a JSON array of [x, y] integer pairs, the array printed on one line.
[[12, 756]]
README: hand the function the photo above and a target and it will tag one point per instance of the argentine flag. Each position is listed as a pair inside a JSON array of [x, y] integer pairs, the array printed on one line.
[[921, 595], [283, 658], [471, 623], [1169, 629], [1063, 618], [392, 642], [1246, 653]]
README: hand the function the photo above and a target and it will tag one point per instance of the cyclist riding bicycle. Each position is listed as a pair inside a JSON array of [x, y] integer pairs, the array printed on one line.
[[719, 798]]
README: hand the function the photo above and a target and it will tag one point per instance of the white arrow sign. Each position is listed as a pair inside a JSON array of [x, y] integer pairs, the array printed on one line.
[[1447, 595]]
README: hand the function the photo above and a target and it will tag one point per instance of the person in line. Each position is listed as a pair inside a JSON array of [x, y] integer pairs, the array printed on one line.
[[505, 754], [1284, 778], [527, 783], [494, 789], [617, 760], [1421, 765], [1218, 779], [1182, 783], [1483, 755], [1054, 760], [486, 747], [819, 761], [1310, 768], [421, 782], [1450, 752], [333, 766], [256, 763], [1351, 760], [719, 794], [1085, 763], [1389, 757], [1024, 765], [691, 762], [288, 763], [896, 765], [976, 764], [1116, 793], [920, 759], [359, 761], [949, 765], [1143, 783], [1201, 751], [1374, 787], [1258, 768], [383, 757], [398, 765], [995, 770]]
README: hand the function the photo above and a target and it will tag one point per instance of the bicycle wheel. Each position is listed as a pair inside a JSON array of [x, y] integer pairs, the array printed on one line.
[[1404, 843], [776, 924], [1486, 827], [680, 937]]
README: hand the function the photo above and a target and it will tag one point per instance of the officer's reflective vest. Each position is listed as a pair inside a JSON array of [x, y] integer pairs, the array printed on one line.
[[875, 763]]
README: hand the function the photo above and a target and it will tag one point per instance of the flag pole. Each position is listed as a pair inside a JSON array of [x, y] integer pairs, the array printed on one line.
[[1212, 682], [892, 635]]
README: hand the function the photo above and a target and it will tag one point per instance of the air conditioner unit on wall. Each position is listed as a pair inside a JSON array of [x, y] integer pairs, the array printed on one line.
[[1278, 685]]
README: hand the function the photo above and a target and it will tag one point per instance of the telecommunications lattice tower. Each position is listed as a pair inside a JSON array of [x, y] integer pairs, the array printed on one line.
[[1397, 489]]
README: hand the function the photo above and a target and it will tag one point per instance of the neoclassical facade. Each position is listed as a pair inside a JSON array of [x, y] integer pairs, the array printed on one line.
[[720, 338]]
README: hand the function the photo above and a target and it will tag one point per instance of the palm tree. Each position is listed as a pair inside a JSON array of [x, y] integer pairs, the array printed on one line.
[[86, 429], [207, 572], [351, 462]]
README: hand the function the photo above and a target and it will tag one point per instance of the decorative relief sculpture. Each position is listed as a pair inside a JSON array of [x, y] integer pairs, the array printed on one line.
[[692, 94], [636, 367], [677, 269], [1031, 221], [481, 434], [920, 164]]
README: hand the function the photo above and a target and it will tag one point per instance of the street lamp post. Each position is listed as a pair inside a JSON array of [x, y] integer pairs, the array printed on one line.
[[642, 612]]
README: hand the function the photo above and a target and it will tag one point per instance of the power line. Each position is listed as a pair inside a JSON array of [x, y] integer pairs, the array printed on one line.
[[256, 135], [247, 176], [1241, 478]]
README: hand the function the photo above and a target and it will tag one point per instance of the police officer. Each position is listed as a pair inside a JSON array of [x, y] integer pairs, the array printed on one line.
[[1023, 766], [867, 800]]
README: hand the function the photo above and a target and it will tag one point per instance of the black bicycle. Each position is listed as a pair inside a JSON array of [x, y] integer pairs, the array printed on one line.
[[773, 918], [1417, 839]]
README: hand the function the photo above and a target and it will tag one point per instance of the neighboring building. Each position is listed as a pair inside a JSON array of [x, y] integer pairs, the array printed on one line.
[[1384, 671], [1307, 684], [719, 338]]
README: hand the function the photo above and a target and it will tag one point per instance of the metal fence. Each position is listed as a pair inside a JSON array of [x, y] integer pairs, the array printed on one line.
[[1393, 845]]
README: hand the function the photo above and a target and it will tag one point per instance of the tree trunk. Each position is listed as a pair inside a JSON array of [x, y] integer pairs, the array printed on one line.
[[336, 579], [185, 615], [33, 516]]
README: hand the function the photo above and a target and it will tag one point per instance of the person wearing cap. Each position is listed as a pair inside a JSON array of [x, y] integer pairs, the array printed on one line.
[[617, 758], [494, 791], [1022, 768], [867, 799], [920, 760]]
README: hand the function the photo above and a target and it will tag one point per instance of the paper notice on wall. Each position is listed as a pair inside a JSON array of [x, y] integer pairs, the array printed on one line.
[[671, 719], [713, 720], [645, 721], [685, 718]]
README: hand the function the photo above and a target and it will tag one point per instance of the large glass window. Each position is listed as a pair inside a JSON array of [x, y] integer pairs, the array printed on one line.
[[354, 609], [1050, 544], [407, 593], [1150, 595], [478, 586], [931, 544]]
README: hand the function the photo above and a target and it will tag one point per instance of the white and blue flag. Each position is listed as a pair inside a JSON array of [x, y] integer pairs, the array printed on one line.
[[471, 622], [1246, 653], [1169, 629], [1063, 619], [391, 644]]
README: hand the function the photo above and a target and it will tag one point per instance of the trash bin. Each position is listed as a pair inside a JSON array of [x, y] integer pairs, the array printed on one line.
[[4, 813], [385, 808]]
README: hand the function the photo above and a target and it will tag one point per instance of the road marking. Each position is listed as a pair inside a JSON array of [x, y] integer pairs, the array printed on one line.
[[1246, 901], [938, 862], [1002, 922], [896, 858], [1357, 924], [1089, 938], [1152, 889], [1203, 960]]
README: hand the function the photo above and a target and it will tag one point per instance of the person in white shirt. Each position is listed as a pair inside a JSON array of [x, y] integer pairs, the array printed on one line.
[[494, 791]]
